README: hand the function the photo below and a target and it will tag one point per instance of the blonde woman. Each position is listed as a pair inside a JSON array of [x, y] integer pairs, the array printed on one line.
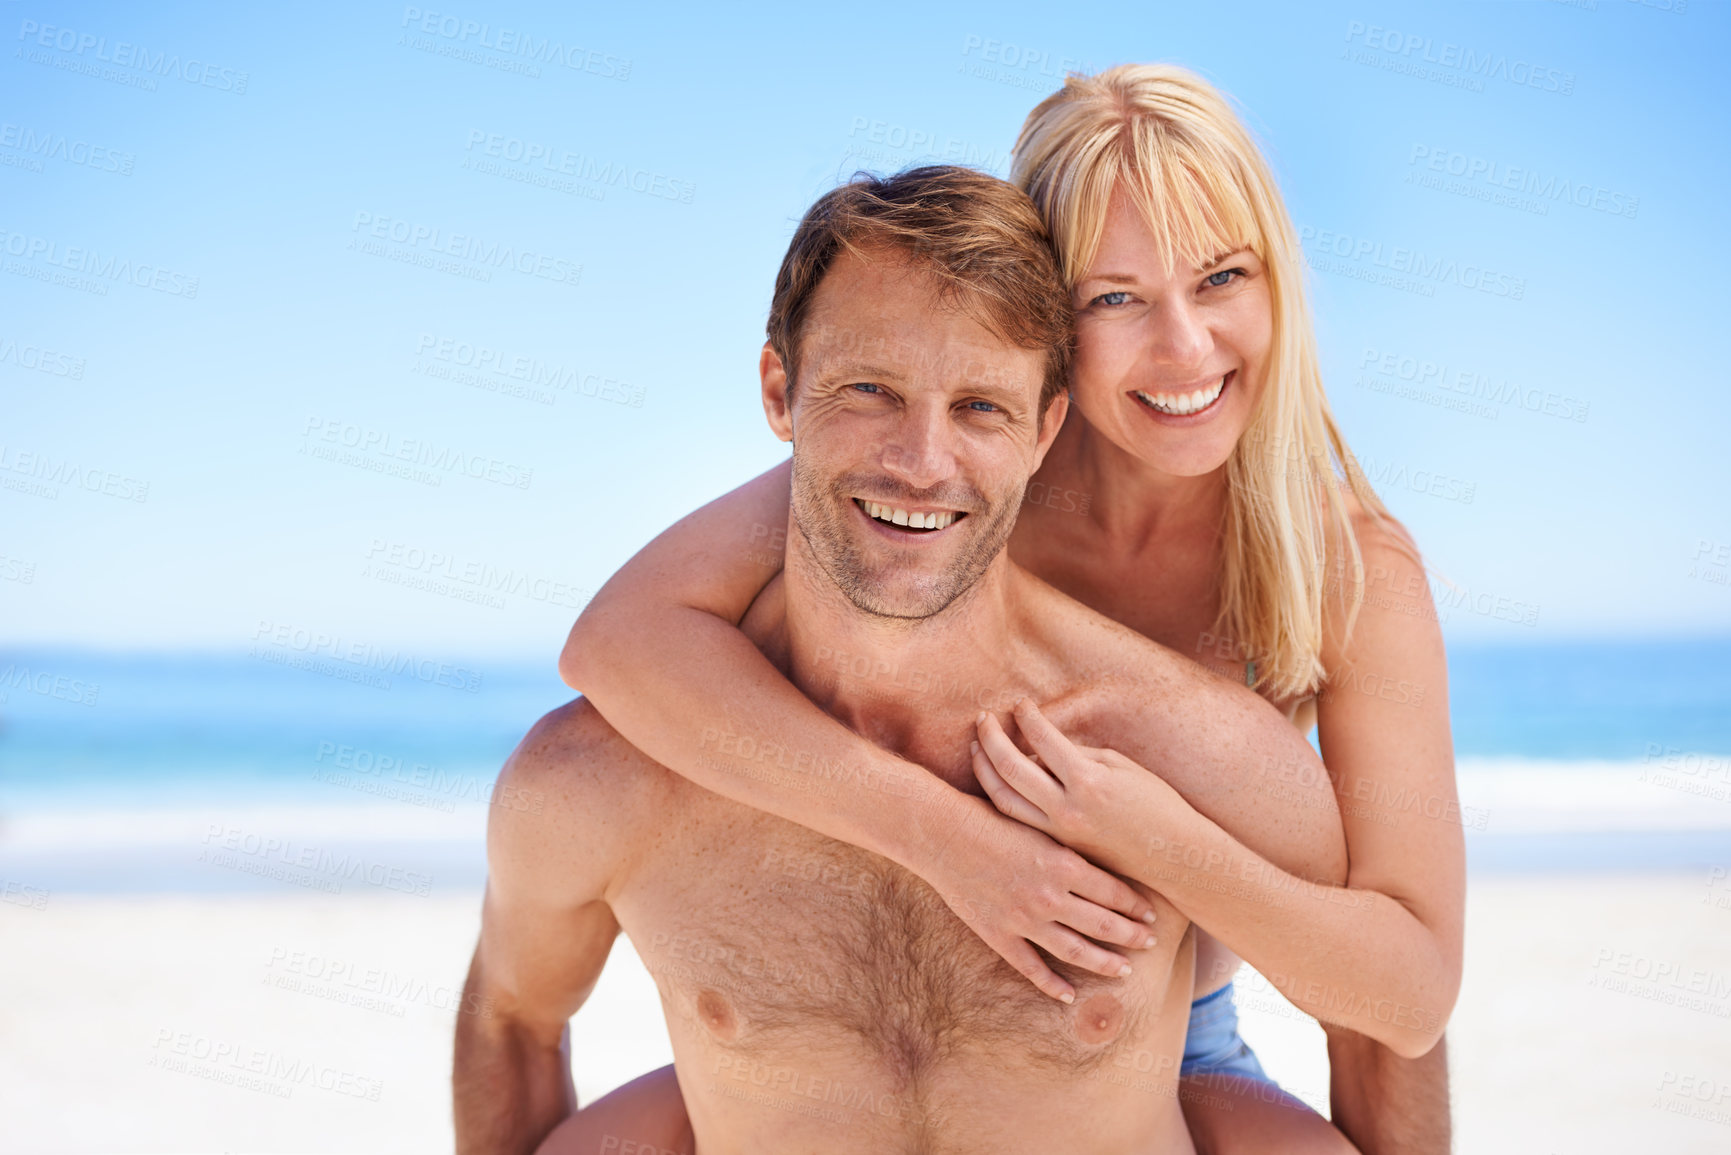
[[1200, 493]]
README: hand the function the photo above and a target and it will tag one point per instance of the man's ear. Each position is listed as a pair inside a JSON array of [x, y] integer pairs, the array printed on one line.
[[1050, 422], [775, 406]]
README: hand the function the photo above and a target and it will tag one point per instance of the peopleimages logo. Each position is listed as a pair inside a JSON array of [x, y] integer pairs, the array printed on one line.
[[282, 643], [1410, 263], [91, 263], [1446, 61], [482, 366], [40, 359], [581, 166], [899, 140], [48, 684], [510, 42], [347, 443], [86, 46], [422, 244], [1497, 176], [51, 146], [48, 470], [1471, 383]]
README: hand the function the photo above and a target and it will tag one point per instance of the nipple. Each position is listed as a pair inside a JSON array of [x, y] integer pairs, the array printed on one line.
[[1099, 1018], [716, 1014]]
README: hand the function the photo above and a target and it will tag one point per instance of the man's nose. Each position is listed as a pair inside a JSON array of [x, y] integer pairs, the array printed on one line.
[[921, 452], [1180, 336]]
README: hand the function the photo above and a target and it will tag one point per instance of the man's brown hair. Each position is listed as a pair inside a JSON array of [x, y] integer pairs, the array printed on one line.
[[980, 236]]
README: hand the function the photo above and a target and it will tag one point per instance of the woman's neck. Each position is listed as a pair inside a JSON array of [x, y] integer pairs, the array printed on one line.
[[1133, 503]]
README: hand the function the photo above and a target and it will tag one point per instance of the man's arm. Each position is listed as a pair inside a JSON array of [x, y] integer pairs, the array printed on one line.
[[1385, 1104], [546, 931]]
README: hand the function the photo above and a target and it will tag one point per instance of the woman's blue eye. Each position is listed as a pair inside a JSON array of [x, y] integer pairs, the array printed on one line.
[[867, 387], [1223, 277], [1117, 297]]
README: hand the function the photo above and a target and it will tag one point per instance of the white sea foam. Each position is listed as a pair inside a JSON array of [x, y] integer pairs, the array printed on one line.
[[66, 828], [1503, 795], [1535, 796]]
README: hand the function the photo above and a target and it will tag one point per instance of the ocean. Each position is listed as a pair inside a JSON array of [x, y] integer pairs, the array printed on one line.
[[198, 773]]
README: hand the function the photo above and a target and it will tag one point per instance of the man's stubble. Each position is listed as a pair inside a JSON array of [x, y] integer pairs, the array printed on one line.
[[819, 510]]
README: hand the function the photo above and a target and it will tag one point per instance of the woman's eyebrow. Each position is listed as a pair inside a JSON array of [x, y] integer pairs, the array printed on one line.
[[1215, 260], [1127, 279]]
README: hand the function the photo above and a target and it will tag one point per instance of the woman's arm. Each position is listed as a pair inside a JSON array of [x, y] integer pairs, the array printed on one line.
[[659, 653], [1381, 955]]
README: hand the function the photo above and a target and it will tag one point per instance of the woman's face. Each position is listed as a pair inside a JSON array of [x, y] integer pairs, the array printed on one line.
[[1169, 367]]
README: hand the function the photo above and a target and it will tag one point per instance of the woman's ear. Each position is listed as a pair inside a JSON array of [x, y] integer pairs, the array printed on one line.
[[776, 394]]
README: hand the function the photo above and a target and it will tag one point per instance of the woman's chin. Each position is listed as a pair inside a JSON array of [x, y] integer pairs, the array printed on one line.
[[1185, 456]]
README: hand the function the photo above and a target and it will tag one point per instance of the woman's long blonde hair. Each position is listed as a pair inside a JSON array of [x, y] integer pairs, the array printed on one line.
[[1171, 142]]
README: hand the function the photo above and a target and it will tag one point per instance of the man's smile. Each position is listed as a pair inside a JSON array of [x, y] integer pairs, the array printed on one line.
[[915, 521]]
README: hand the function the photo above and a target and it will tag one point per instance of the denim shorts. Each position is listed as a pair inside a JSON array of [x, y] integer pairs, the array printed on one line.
[[1213, 1046]]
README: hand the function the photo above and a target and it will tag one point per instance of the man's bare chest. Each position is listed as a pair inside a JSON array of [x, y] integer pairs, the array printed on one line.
[[766, 939]]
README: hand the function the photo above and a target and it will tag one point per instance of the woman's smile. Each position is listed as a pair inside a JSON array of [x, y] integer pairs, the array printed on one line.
[[1185, 403]]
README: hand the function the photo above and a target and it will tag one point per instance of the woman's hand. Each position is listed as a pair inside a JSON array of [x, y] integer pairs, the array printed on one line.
[[1018, 889], [1095, 801]]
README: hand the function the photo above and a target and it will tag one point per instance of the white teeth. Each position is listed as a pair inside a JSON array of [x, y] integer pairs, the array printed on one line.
[[915, 520], [1180, 404]]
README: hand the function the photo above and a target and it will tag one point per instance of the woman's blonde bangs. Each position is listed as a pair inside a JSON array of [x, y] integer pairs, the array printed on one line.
[[1191, 193]]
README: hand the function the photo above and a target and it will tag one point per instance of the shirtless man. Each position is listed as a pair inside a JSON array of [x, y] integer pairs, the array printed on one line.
[[818, 997]]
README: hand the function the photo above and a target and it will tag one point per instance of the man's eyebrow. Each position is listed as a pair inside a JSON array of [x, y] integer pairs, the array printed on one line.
[[984, 385], [1009, 397], [862, 370]]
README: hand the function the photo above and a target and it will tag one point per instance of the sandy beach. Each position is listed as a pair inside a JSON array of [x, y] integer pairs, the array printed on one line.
[[310, 1022], [268, 976]]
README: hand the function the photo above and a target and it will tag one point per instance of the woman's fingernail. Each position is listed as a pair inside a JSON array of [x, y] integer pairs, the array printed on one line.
[[1148, 917], [1124, 971], [1067, 997], [1148, 943]]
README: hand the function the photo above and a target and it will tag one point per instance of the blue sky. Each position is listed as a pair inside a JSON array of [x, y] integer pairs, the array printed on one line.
[[237, 237]]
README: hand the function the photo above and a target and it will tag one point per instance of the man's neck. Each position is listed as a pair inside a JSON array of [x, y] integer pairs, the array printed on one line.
[[911, 686]]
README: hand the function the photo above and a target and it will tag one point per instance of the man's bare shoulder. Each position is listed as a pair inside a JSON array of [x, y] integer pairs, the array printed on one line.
[[1114, 687], [1210, 738], [572, 748], [1093, 653], [573, 793]]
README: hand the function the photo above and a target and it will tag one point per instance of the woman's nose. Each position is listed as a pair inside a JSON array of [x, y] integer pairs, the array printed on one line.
[[1180, 336]]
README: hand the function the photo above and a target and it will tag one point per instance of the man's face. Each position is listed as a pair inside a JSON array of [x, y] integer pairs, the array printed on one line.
[[915, 430]]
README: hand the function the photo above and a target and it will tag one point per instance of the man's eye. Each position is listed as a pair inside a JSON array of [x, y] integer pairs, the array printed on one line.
[[867, 387], [1117, 297], [982, 407], [1223, 277]]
